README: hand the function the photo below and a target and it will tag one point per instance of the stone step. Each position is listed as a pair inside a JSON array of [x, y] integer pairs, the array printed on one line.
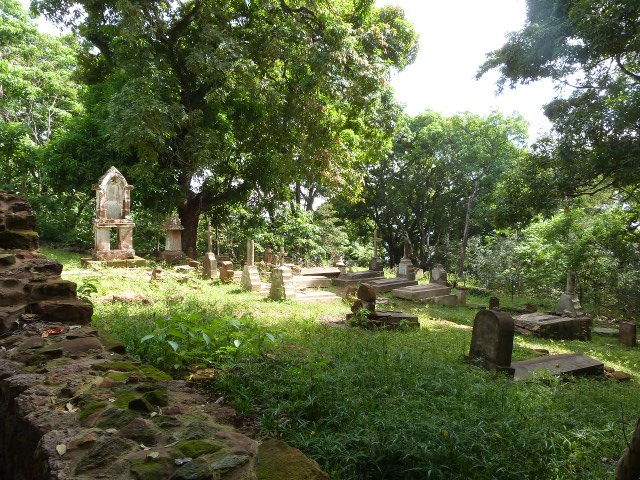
[[421, 292], [354, 278], [382, 285], [317, 297], [445, 300]]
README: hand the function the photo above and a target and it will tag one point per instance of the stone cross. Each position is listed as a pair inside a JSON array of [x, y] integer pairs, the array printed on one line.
[[250, 253], [209, 234], [407, 246], [375, 242], [282, 255]]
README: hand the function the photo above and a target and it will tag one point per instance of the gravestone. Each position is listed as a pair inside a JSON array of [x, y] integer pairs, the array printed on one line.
[[569, 303], [250, 275], [438, 275], [627, 334], [226, 271], [492, 341], [209, 261], [405, 267], [113, 212], [494, 303], [558, 327], [268, 256], [173, 244], [375, 264], [282, 283], [461, 294]]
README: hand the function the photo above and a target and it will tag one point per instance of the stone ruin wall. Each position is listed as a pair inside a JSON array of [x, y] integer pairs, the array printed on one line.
[[74, 406]]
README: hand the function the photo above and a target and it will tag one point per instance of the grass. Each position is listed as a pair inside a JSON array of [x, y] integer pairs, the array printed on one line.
[[375, 404]]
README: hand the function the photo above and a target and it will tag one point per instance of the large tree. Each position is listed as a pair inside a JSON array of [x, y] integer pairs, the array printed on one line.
[[37, 93], [209, 100], [591, 47]]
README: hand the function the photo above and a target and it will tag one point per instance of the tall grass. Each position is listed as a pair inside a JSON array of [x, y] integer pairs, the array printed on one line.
[[383, 405]]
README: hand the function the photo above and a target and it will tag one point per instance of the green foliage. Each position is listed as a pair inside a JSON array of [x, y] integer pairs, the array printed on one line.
[[592, 45], [182, 340]]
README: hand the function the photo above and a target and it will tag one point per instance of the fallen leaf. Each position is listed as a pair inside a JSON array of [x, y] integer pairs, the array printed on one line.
[[61, 449], [153, 455], [71, 408]]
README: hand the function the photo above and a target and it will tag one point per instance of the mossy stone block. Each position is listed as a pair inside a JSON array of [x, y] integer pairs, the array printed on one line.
[[276, 460], [159, 469], [196, 448]]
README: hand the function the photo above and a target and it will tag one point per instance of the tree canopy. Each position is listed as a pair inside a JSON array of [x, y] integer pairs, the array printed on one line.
[[210, 101], [593, 49]]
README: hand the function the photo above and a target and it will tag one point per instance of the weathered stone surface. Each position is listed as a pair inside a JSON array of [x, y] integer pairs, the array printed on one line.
[[492, 340], [278, 461], [564, 364], [282, 285], [354, 278], [627, 334], [554, 326], [251, 278], [226, 271], [382, 285], [421, 292], [605, 332]]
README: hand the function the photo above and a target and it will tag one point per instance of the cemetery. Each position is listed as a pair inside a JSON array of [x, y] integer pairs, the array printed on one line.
[[230, 251]]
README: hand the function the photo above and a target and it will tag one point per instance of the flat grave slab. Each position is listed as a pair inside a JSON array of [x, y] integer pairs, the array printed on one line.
[[330, 272], [554, 326], [564, 364], [421, 292], [353, 278], [134, 262], [316, 296], [312, 281], [381, 285], [606, 332]]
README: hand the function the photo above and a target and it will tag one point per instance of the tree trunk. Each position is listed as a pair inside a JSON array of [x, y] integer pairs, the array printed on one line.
[[189, 212], [465, 233]]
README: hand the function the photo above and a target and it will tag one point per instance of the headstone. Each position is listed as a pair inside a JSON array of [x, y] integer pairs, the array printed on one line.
[[338, 262], [282, 283], [226, 271], [367, 296], [378, 318], [250, 275], [376, 262], [461, 293], [268, 256], [492, 340], [438, 275], [113, 204], [173, 243], [569, 303], [405, 267], [627, 334], [283, 256], [209, 261]]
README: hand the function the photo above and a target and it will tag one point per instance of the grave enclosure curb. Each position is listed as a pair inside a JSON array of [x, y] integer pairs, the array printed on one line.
[[74, 406]]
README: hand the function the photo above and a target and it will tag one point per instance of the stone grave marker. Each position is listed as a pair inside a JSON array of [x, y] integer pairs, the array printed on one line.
[[282, 283], [569, 303], [438, 274], [209, 261], [113, 212], [492, 341], [405, 267], [268, 256], [379, 318], [173, 244], [226, 271], [250, 275], [375, 264], [627, 334]]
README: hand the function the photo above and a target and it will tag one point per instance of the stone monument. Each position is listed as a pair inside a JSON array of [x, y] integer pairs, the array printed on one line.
[[113, 208], [365, 306], [438, 275], [209, 261], [569, 303], [375, 264], [268, 256], [492, 341], [250, 274], [406, 268], [282, 283], [173, 244]]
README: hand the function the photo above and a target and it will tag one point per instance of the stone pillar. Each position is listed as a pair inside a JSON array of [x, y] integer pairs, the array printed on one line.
[[569, 303], [283, 254], [268, 256], [250, 274]]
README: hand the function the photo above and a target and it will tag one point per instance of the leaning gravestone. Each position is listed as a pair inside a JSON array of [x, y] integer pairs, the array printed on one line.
[[492, 341]]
